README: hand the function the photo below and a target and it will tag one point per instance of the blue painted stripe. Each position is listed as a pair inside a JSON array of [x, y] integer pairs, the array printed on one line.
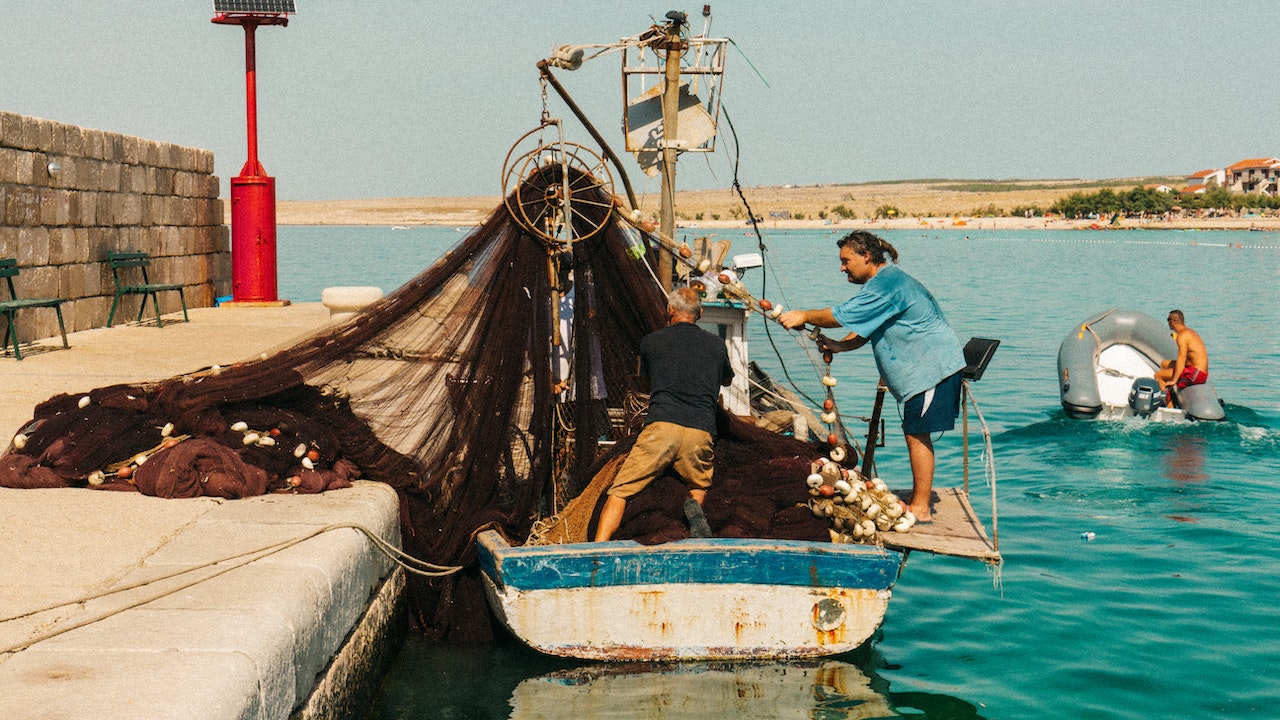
[[767, 562]]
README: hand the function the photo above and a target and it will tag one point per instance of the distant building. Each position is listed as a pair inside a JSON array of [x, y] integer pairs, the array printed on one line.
[[1158, 188], [1255, 175], [1206, 177]]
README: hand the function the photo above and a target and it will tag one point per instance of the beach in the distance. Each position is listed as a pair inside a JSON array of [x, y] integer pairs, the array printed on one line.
[[920, 204]]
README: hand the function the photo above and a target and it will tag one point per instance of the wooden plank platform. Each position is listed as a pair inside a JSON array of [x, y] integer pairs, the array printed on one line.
[[956, 530]]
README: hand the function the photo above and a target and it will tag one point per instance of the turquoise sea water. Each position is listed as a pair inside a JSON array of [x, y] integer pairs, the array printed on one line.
[[1170, 611]]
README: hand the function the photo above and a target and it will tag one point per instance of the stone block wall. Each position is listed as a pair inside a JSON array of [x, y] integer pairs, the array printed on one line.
[[69, 195]]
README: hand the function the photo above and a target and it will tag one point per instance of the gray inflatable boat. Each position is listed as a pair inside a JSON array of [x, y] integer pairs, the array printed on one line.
[[1107, 366]]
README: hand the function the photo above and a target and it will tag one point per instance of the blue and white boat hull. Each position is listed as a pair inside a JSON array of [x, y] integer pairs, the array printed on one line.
[[691, 599]]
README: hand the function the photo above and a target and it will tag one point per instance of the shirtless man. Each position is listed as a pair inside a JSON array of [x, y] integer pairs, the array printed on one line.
[[1192, 364]]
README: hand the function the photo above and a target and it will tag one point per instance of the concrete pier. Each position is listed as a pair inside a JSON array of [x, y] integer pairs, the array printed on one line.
[[300, 633]]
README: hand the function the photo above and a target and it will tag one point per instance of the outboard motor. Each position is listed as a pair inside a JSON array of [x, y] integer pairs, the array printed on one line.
[[1145, 396]]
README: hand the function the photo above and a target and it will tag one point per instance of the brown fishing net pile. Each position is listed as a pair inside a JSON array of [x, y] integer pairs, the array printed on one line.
[[444, 390]]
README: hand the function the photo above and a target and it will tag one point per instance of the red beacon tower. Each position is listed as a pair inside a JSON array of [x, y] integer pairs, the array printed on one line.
[[253, 192]]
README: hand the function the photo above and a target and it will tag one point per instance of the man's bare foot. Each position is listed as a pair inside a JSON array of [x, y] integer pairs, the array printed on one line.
[[922, 513]]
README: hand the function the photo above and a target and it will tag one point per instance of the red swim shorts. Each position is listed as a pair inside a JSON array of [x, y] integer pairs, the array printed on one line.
[[1192, 375]]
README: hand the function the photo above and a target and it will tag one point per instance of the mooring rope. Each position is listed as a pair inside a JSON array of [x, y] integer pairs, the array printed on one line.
[[395, 554]]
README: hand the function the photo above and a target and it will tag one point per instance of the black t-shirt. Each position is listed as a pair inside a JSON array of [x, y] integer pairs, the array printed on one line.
[[686, 366]]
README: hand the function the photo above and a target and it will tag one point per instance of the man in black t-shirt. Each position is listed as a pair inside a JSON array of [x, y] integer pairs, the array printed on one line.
[[686, 366]]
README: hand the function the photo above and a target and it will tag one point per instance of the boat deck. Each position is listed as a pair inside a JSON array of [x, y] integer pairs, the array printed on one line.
[[956, 530]]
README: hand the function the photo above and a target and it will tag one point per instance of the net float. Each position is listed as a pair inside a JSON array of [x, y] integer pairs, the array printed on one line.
[[167, 430], [775, 312], [240, 426], [814, 480], [19, 441], [842, 487], [250, 438], [267, 441], [685, 252], [704, 265], [313, 454], [170, 442], [300, 450], [868, 528], [837, 454], [274, 432], [832, 439], [139, 458], [84, 402], [765, 305], [97, 477], [828, 417], [306, 463], [902, 524], [828, 404], [125, 472], [826, 490], [829, 381]]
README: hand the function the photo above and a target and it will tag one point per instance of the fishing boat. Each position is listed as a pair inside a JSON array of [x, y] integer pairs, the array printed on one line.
[[1107, 366], [720, 597]]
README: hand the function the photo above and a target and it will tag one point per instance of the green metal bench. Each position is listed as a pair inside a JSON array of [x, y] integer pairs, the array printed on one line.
[[122, 262], [10, 307]]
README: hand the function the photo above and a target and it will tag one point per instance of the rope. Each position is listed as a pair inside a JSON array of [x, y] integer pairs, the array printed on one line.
[[396, 555], [989, 465]]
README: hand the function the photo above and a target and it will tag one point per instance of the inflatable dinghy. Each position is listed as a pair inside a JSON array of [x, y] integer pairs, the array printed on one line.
[[1107, 366]]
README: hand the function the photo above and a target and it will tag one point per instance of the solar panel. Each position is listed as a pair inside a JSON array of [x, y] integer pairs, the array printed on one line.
[[254, 6]]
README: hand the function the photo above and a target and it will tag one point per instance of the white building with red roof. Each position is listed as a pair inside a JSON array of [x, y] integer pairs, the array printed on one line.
[[1255, 175], [1206, 177]]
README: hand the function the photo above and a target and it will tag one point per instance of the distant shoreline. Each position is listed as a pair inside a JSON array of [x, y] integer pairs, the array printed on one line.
[[311, 216], [920, 205]]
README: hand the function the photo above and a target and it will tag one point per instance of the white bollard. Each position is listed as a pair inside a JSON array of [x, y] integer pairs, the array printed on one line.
[[345, 301]]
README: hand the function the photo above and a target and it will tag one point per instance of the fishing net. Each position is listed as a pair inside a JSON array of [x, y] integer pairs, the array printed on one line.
[[444, 390]]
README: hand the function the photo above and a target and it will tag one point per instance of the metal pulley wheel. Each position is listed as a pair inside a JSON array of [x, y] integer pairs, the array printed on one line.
[[560, 191]]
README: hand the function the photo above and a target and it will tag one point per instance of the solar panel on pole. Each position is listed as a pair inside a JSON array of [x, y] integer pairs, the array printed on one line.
[[274, 7]]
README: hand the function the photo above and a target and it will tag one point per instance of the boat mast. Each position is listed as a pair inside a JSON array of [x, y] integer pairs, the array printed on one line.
[[674, 48]]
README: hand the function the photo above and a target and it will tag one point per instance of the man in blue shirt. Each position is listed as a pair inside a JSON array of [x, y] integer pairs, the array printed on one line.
[[917, 353], [686, 367]]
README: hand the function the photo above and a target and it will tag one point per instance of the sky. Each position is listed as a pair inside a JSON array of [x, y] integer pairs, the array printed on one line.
[[371, 99]]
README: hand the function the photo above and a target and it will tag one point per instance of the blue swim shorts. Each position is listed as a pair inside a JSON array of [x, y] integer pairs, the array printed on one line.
[[934, 410]]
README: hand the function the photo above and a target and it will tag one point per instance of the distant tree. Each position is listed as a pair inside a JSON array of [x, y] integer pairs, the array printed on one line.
[[844, 211], [885, 211]]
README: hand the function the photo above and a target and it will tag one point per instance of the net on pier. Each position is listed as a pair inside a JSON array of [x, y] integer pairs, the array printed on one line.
[[444, 390]]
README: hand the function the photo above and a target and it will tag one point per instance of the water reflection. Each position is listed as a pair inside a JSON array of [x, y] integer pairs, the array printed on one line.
[[503, 681], [823, 689], [818, 689], [1184, 458]]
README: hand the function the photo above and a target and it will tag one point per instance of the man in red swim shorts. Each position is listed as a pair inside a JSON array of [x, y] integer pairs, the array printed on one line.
[[1192, 364]]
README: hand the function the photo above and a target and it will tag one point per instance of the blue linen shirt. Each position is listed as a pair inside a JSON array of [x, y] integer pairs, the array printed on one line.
[[915, 348]]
